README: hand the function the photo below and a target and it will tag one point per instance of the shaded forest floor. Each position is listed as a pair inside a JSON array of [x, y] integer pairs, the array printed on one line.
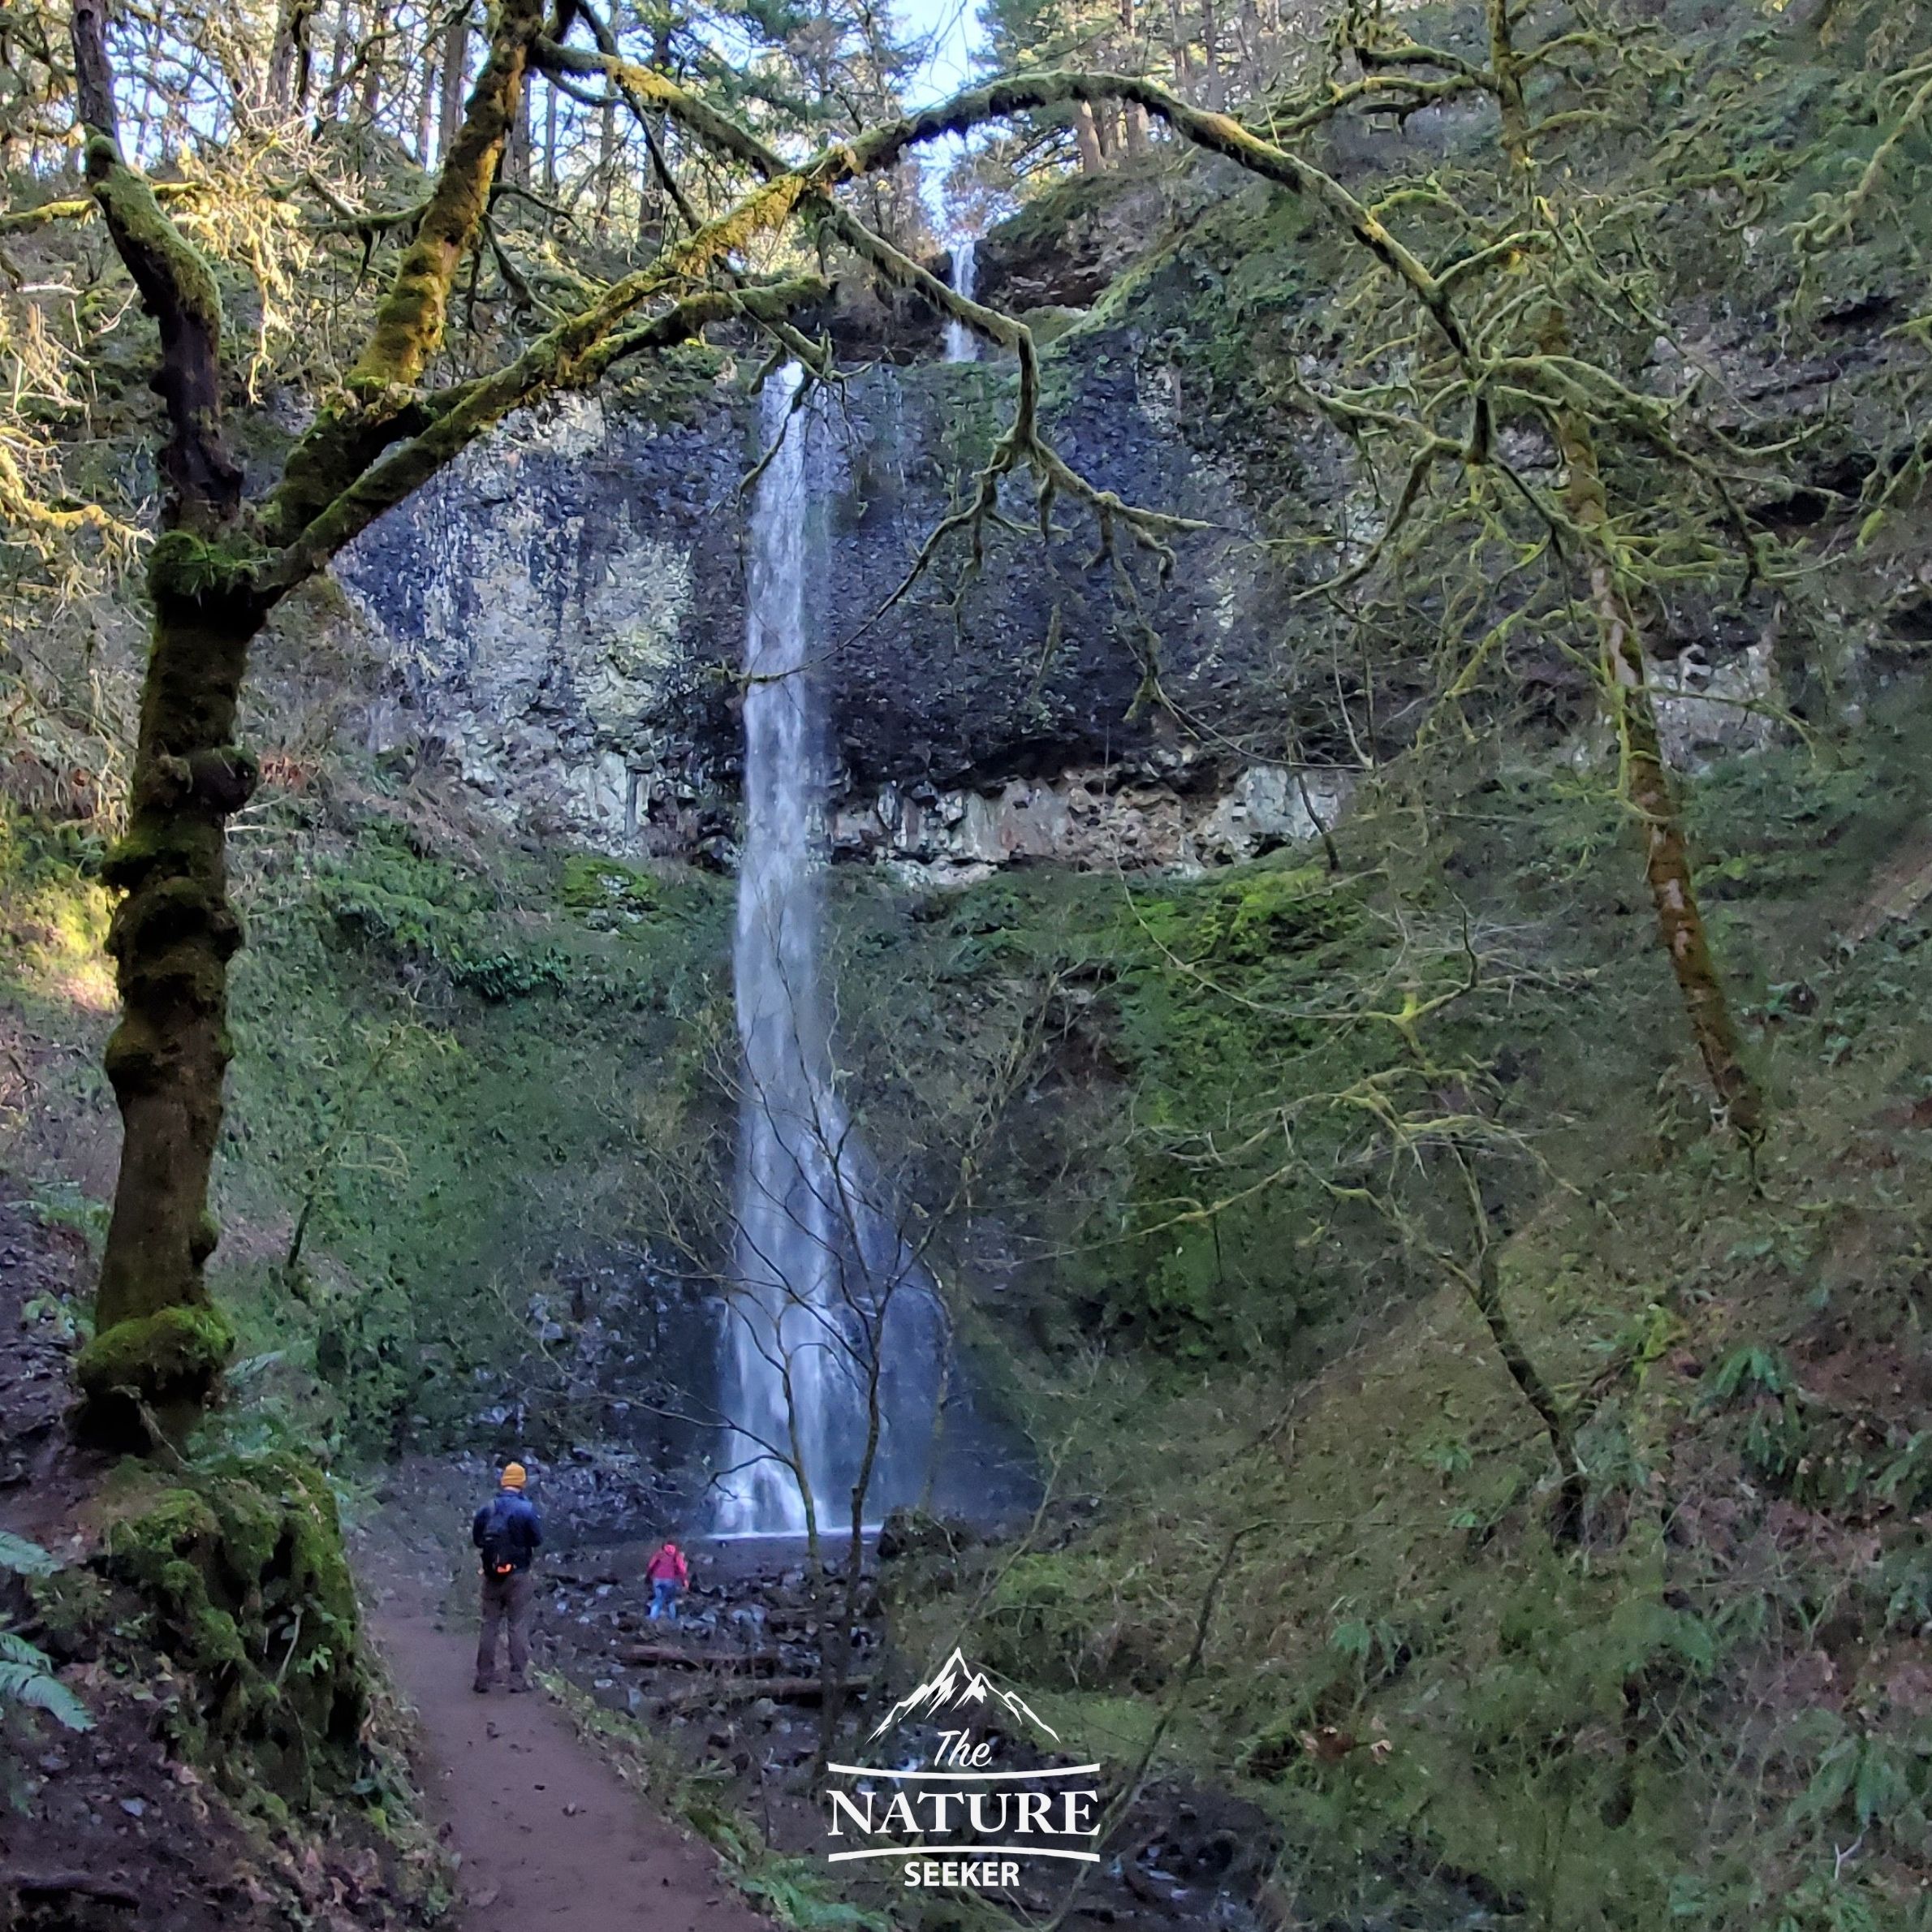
[[124, 1827]]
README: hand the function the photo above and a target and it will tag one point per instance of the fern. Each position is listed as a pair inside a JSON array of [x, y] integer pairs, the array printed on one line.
[[24, 1558], [27, 1680]]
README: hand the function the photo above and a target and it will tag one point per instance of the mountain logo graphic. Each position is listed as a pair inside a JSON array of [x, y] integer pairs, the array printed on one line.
[[956, 1688]]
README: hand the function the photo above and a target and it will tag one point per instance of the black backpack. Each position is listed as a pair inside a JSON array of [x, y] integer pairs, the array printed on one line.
[[499, 1550]]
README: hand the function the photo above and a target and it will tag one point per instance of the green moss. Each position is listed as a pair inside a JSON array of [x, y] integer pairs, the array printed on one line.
[[136, 213], [388, 896], [594, 883], [1204, 1000], [184, 565], [241, 1570], [174, 1356]]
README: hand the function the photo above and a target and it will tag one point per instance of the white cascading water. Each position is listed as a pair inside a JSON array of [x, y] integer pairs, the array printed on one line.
[[822, 1278], [962, 345]]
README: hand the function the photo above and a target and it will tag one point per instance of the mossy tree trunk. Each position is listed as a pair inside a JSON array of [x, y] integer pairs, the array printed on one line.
[[1648, 784], [158, 1347], [159, 1342]]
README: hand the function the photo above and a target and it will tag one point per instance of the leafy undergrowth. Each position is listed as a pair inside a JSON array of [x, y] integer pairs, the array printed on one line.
[[1712, 1705]]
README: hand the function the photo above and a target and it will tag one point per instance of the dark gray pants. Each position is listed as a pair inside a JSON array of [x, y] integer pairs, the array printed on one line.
[[509, 1599]]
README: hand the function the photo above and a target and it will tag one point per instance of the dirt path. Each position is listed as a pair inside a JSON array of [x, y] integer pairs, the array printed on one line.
[[547, 1833]]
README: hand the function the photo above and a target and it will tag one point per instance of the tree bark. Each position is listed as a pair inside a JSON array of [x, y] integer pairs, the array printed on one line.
[[455, 77], [1133, 117], [426, 105], [1086, 133], [550, 142], [1647, 780], [516, 152], [375, 56], [1178, 41], [158, 1341], [606, 162], [1484, 1285], [1213, 91], [289, 59], [158, 1347], [1624, 669], [341, 46]]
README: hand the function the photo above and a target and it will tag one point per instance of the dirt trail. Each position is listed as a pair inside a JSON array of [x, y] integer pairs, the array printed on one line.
[[548, 1834]]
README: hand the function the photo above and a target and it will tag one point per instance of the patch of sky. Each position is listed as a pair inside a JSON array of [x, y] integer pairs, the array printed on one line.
[[949, 31]]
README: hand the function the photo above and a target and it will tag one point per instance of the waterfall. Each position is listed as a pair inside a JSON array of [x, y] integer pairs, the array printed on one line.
[[962, 345], [826, 1303]]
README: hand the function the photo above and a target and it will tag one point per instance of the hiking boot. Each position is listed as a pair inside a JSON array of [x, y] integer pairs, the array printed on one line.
[[481, 1687], [517, 1684]]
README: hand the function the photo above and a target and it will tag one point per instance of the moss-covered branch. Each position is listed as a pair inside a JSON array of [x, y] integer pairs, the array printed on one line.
[[574, 355], [176, 283], [409, 323], [24, 220]]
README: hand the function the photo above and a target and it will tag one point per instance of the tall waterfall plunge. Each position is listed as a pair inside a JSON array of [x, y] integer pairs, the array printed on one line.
[[832, 1325], [962, 345]]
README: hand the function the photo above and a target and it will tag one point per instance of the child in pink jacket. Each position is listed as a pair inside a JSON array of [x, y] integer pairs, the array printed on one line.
[[667, 1573]]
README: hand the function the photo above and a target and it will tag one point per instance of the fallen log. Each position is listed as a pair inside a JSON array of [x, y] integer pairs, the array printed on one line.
[[676, 1656], [783, 1690], [42, 1885]]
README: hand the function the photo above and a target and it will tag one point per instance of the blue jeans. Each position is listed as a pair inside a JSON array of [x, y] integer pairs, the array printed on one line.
[[664, 1600]]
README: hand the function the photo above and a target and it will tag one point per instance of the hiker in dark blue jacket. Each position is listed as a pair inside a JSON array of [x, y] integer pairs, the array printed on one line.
[[506, 1532]]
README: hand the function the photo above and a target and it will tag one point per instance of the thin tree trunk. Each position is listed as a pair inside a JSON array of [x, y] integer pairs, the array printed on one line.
[[516, 155], [1647, 780], [289, 57], [1485, 1290], [550, 140], [1087, 135], [1625, 672], [1247, 39], [374, 53], [426, 105], [339, 48], [606, 161], [456, 78]]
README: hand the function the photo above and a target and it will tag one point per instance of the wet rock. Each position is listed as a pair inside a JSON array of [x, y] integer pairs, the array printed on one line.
[[556, 621]]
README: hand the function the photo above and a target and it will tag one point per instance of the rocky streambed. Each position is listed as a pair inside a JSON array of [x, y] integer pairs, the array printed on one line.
[[736, 1687]]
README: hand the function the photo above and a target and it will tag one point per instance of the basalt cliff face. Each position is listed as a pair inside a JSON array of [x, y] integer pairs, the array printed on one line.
[[557, 622]]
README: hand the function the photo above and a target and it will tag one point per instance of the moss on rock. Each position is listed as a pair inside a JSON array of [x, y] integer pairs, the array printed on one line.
[[242, 1570]]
